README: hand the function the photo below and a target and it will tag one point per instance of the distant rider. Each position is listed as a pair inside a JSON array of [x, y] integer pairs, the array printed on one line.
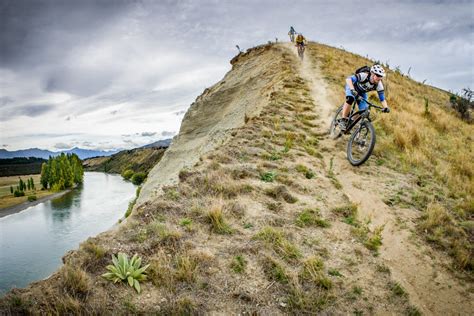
[[300, 40], [292, 33], [358, 85]]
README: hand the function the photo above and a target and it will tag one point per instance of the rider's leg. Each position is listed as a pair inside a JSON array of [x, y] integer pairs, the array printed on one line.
[[362, 105], [349, 101]]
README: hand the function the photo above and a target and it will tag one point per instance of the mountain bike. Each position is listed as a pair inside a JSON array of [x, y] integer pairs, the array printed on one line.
[[362, 140], [300, 48]]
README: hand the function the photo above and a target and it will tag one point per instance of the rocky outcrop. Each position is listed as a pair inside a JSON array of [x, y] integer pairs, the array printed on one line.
[[240, 95]]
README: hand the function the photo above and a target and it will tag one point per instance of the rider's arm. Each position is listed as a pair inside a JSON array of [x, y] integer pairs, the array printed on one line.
[[381, 94], [350, 82]]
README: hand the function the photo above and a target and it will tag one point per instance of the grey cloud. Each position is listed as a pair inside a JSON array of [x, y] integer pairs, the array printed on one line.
[[31, 110], [167, 133], [86, 144], [148, 134], [5, 100], [44, 30], [78, 81], [62, 146]]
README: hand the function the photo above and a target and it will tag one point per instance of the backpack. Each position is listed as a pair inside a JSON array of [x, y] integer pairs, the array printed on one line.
[[362, 69]]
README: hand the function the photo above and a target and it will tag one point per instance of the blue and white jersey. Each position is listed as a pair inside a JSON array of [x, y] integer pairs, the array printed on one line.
[[362, 84]]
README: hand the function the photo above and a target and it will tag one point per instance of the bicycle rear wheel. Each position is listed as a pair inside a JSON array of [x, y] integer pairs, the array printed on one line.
[[334, 129], [361, 144]]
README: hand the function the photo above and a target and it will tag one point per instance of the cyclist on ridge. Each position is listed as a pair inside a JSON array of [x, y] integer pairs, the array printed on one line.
[[358, 85], [292, 33], [300, 40]]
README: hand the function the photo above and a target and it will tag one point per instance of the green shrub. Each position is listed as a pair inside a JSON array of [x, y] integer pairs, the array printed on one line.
[[238, 264], [138, 178], [310, 217], [126, 271], [31, 198], [18, 193], [127, 174], [268, 176]]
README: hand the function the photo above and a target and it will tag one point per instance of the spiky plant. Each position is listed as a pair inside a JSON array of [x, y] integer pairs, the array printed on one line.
[[126, 270]]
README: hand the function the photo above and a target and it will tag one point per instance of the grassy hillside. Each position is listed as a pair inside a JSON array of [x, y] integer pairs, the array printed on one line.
[[424, 137], [268, 223], [138, 160]]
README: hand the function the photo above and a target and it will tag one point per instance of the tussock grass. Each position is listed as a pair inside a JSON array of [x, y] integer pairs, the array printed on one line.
[[281, 192], [309, 174], [372, 240], [313, 269], [433, 142], [275, 270], [217, 183], [277, 240], [179, 306], [268, 176], [348, 212], [186, 267], [303, 300], [161, 271], [440, 228], [75, 282], [215, 217], [310, 217], [397, 289], [238, 264]]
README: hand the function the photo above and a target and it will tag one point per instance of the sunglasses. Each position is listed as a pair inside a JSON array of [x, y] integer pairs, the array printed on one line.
[[378, 76]]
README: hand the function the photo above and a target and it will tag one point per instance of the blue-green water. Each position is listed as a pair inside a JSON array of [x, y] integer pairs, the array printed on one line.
[[33, 241]]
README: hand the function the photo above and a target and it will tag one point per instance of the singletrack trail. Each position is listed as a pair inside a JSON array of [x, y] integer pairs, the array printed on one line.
[[414, 265]]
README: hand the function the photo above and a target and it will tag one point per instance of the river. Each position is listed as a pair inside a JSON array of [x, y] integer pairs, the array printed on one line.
[[33, 241]]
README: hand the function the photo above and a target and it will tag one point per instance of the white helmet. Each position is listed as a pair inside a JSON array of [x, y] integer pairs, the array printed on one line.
[[378, 70]]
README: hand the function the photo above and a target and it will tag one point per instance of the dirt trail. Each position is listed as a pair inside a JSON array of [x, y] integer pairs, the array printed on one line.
[[430, 287]]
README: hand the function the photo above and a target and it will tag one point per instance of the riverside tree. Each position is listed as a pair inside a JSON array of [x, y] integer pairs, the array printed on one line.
[[62, 172]]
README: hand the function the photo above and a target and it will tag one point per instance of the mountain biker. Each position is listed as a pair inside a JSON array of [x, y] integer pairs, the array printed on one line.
[[300, 40], [292, 33], [358, 85]]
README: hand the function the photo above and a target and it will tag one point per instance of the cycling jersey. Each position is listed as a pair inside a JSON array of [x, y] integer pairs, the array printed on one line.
[[362, 84], [300, 41]]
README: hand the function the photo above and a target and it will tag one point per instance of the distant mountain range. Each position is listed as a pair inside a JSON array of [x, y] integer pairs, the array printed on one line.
[[42, 153], [82, 153], [161, 143]]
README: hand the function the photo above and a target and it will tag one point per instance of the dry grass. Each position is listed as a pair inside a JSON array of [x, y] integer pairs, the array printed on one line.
[[436, 144], [216, 218], [75, 282], [277, 240]]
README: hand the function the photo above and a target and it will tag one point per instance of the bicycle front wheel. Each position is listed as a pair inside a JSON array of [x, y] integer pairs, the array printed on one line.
[[361, 144], [334, 129]]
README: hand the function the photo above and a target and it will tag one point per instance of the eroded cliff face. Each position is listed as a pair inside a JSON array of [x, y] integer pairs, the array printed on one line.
[[239, 96]]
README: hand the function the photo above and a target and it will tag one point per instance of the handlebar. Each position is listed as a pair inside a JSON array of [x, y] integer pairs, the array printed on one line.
[[359, 98]]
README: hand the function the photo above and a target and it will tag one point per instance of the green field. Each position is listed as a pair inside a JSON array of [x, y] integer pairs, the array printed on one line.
[[6, 197]]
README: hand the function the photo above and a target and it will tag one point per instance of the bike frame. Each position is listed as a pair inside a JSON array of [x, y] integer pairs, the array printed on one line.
[[362, 114]]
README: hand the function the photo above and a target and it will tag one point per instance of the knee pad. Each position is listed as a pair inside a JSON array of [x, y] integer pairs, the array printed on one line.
[[349, 99]]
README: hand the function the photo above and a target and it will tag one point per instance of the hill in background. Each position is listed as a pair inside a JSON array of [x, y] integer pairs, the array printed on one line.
[[137, 160]]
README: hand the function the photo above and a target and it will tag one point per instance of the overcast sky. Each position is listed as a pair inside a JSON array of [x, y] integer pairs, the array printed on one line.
[[120, 74]]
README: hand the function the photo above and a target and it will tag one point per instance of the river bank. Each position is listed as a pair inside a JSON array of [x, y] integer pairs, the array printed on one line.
[[23, 206]]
